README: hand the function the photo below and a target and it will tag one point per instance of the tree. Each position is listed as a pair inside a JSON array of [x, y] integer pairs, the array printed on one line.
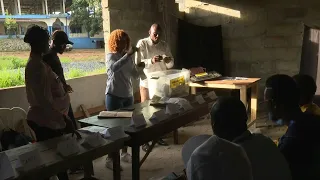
[[87, 14], [10, 24]]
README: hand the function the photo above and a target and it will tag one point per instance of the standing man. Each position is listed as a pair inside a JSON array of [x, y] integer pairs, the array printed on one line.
[[58, 45], [156, 55]]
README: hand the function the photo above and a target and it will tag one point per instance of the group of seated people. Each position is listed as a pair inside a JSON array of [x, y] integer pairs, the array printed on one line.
[[234, 153]]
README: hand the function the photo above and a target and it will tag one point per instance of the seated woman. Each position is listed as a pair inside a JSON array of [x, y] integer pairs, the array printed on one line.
[[120, 70], [48, 100], [308, 88]]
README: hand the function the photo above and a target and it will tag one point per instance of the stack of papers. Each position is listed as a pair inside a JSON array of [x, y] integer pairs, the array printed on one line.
[[115, 114], [96, 129]]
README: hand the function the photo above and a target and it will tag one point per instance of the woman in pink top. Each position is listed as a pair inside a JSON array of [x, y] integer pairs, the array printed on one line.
[[48, 100]]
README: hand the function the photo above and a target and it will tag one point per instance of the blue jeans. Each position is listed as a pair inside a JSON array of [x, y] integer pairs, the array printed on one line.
[[115, 102]]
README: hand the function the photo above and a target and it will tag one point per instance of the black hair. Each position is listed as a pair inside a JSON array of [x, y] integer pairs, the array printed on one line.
[[284, 90], [307, 87], [229, 117], [36, 36]]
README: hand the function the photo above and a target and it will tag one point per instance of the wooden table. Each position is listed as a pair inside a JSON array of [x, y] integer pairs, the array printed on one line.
[[140, 136], [230, 83], [54, 163]]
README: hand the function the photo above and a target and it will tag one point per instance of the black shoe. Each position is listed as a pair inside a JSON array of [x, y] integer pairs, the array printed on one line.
[[162, 142], [145, 147]]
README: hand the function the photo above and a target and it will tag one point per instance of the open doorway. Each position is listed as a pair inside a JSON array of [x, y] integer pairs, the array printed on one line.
[[309, 63]]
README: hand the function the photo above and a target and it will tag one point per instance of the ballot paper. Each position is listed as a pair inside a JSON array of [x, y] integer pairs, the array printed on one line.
[[212, 95], [172, 109], [158, 116], [30, 160], [6, 170], [200, 99], [115, 114], [68, 147], [116, 132], [94, 140], [138, 121]]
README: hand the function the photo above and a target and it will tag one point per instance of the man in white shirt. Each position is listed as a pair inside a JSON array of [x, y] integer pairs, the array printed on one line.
[[156, 55], [228, 119], [209, 157]]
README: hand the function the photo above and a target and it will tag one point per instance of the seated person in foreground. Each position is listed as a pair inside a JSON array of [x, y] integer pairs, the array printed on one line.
[[229, 121], [307, 88], [209, 157], [300, 144]]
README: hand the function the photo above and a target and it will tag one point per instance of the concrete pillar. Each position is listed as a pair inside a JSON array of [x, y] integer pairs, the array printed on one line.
[[2, 8], [15, 3], [46, 5], [43, 7], [19, 7], [64, 6]]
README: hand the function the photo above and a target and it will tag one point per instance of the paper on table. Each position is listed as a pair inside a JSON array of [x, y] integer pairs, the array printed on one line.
[[158, 116], [110, 114], [116, 132], [186, 105], [30, 160], [68, 147], [138, 120], [200, 99], [172, 109], [94, 129], [212, 95], [6, 170], [94, 140]]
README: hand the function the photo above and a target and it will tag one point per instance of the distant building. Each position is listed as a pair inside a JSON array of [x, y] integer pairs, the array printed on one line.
[[51, 14]]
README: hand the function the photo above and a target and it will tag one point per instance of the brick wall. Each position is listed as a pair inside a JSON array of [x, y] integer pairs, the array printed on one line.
[[136, 17], [266, 39]]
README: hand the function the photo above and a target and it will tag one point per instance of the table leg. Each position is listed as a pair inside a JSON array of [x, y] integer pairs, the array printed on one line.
[[193, 90], [88, 170], [135, 162], [243, 95], [254, 101], [175, 137], [116, 165]]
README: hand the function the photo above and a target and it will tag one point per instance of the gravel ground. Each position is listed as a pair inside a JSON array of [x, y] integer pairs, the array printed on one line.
[[87, 66]]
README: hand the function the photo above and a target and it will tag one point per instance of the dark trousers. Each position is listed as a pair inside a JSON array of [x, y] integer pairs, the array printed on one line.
[[71, 116], [43, 134], [115, 102]]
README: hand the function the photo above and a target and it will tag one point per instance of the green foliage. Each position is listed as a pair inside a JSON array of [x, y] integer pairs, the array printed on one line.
[[10, 24], [74, 73], [87, 14], [9, 78], [65, 60], [11, 62]]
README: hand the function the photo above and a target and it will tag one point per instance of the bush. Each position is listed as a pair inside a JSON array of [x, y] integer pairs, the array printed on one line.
[[74, 73], [11, 62], [9, 78]]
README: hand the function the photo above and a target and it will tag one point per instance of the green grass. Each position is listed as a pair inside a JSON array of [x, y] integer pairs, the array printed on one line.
[[75, 73], [10, 78], [11, 62], [65, 60], [97, 71]]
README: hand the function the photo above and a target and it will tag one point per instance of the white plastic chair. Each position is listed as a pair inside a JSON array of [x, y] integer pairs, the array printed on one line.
[[15, 119]]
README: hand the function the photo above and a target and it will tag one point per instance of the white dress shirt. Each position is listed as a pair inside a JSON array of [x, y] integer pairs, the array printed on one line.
[[219, 159], [147, 50]]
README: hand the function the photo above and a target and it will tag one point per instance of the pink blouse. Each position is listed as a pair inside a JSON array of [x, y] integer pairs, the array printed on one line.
[[46, 96]]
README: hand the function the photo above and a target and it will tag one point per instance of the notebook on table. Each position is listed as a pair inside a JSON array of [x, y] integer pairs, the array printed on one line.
[[115, 114]]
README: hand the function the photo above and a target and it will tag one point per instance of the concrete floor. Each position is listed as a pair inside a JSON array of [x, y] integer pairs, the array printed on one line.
[[163, 160]]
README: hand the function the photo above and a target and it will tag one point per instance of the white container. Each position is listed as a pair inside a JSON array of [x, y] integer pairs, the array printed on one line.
[[169, 83]]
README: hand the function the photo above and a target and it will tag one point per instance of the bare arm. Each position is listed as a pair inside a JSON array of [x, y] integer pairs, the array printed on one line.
[[140, 55], [170, 64]]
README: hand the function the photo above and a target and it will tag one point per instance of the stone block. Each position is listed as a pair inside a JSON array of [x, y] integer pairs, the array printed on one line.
[[240, 55], [285, 29], [283, 41], [248, 31], [288, 67]]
